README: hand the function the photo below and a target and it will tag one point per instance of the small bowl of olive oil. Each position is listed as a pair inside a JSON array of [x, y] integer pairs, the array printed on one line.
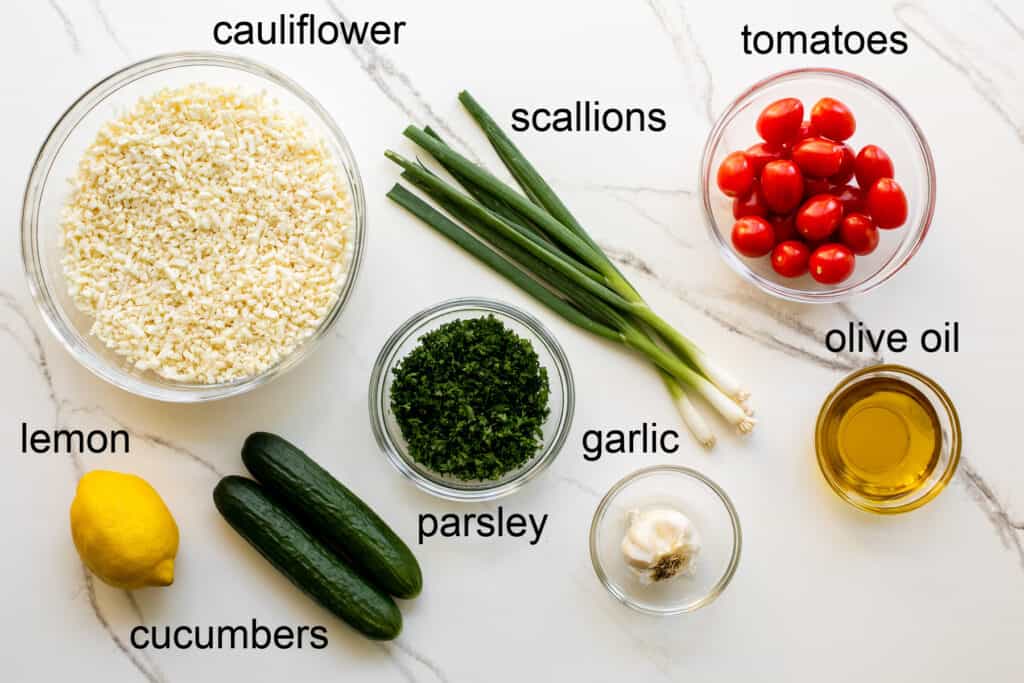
[[888, 439]]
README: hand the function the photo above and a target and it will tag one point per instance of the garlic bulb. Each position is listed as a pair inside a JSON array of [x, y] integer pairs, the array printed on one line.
[[660, 543]]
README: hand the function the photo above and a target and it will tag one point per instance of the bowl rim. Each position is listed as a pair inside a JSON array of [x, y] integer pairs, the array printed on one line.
[[956, 438], [387, 358], [39, 175], [841, 293], [723, 581]]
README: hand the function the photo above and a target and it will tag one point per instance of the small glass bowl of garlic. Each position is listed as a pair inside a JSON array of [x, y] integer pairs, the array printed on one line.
[[665, 540]]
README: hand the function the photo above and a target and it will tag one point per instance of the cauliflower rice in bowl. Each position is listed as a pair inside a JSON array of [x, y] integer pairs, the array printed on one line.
[[208, 233]]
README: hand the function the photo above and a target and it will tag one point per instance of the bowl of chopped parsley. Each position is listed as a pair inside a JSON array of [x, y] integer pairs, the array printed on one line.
[[471, 398]]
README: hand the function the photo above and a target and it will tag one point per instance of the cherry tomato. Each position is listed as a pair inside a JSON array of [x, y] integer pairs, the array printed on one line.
[[750, 204], [832, 119], [784, 227], [851, 196], [813, 186], [830, 264], [780, 121], [782, 185], [735, 175], [872, 163], [789, 259], [887, 204], [753, 236], [859, 233], [818, 157], [819, 216], [761, 153], [846, 168]]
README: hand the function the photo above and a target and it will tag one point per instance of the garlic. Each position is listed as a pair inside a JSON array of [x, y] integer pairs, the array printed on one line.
[[660, 543]]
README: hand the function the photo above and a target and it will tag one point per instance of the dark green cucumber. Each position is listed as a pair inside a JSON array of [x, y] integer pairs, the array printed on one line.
[[307, 562], [333, 513]]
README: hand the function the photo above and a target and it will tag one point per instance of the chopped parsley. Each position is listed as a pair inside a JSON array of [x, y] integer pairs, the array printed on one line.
[[471, 399]]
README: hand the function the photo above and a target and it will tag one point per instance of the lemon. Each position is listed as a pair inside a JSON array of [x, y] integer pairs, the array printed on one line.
[[123, 531]]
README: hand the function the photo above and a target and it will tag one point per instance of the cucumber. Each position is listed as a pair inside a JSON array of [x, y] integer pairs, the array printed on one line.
[[333, 513], [307, 562]]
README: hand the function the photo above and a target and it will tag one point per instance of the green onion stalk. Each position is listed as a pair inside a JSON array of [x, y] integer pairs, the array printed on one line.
[[532, 239]]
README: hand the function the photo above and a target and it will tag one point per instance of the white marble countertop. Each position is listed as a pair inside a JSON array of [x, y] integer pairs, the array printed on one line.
[[822, 591]]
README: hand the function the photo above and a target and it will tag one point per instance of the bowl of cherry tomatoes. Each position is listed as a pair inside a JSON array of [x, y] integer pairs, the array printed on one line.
[[817, 185]]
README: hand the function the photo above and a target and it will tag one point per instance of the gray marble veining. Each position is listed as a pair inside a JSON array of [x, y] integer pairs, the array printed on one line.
[[69, 27], [399, 88]]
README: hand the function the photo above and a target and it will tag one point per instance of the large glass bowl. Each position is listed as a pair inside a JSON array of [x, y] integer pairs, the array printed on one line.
[[562, 398], [708, 508], [881, 120], [48, 190]]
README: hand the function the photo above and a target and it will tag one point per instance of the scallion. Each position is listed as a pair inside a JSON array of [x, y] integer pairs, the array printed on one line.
[[532, 239]]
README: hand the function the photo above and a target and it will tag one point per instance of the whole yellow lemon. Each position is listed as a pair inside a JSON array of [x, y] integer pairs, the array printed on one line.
[[123, 531]]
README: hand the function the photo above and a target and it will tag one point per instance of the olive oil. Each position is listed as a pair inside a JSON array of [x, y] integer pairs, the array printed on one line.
[[879, 439]]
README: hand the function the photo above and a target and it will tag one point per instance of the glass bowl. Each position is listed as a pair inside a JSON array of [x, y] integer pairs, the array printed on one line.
[[713, 516], [48, 190], [881, 120], [562, 398], [949, 451]]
